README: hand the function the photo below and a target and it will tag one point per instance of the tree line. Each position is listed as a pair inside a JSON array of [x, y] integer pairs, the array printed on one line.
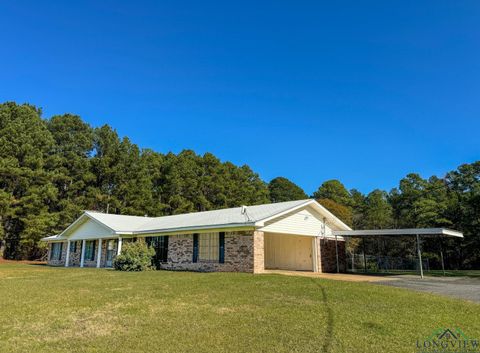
[[52, 169]]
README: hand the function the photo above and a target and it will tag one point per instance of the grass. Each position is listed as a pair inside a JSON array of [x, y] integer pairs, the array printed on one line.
[[45, 309]]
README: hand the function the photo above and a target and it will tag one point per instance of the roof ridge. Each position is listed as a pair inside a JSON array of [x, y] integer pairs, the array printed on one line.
[[232, 208]]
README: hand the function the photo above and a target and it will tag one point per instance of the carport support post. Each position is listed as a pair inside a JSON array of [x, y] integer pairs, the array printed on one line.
[[364, 257], [336, 253], [441, 256], [419, 256]]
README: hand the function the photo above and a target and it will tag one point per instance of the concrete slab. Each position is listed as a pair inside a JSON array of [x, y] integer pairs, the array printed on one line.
[[335, 276], [457, 287]]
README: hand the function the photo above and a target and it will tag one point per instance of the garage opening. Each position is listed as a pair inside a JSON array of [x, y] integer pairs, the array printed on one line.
[[288, 252]]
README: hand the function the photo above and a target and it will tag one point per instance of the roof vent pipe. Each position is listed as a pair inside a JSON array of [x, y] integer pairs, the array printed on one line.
[[244, 212]]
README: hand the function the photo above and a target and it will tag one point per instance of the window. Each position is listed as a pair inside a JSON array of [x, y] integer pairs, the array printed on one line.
[[160, 244], [90, 250], [208, 247], [73, 246], [56, 253]]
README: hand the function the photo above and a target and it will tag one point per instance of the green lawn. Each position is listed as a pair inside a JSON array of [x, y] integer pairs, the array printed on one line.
[[45, 309]]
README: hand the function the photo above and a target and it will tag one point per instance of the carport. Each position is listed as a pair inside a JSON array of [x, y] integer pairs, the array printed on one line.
[[417, 233]]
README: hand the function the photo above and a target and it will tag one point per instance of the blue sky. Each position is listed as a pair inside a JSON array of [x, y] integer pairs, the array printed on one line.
[[360, 91]]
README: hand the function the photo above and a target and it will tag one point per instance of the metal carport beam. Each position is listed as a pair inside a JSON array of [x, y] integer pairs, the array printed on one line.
[[415, 232], [399, 232]]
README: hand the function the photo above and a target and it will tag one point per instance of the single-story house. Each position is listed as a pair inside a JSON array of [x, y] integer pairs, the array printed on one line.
[[294, 235]]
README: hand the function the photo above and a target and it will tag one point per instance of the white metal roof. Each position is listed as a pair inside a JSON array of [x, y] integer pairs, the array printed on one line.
[[400, 232], [255, 216]]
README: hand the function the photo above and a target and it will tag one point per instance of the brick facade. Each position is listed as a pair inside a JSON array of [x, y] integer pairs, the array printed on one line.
[[258, 252], [238, 254], [328, 256], [244, 252], [75, 256], [57, 262]]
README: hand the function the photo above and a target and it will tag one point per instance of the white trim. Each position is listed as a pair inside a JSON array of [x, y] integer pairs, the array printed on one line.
[[400, 232], [261, 222], [330, 215], [314, 254], [98, 222], [78, 220], [82, 256], [99, 252], [119, 245], [67, 255]]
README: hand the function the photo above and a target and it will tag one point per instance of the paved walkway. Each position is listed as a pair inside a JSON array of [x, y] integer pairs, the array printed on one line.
[[335, 276]]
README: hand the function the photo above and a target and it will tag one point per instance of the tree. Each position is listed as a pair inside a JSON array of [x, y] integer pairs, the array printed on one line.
[[378, 211], [342, 212], [281, 189], [26, 147], [71, 165], [464, 212], [335, 191]]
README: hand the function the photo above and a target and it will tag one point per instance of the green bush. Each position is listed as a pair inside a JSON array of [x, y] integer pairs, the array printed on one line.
[[136, 256]]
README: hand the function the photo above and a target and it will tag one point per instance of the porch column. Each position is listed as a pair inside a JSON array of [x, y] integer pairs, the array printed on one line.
[[99, 252], [419, 256], [67, 256], [82, 256], [119, 246]]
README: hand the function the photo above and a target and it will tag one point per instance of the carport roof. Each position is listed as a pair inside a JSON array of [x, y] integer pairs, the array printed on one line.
[[400, 232]]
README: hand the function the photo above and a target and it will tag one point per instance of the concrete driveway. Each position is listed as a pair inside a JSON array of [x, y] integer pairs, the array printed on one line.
[[335, 276], [457, 287]]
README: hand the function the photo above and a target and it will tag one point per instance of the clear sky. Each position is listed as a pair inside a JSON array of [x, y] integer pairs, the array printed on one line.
[[360, 91]]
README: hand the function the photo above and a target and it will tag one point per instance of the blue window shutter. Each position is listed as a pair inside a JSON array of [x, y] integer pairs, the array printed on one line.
[[221, 248], [195, 248]]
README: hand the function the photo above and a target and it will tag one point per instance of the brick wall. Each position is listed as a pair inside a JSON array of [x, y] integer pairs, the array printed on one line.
[[57, 262], [328, 257], [258, 252], [75, 256], [238, 254]]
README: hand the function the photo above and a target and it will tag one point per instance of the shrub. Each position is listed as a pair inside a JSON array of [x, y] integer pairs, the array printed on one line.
[[136, 256]]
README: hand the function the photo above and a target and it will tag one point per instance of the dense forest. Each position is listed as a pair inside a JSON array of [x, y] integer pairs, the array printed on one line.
[[52, 169]]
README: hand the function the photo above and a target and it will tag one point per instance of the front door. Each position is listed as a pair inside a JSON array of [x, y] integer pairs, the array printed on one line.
[[110, 253]]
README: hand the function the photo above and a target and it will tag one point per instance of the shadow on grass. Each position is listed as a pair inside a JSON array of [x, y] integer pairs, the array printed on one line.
[[327, 344]]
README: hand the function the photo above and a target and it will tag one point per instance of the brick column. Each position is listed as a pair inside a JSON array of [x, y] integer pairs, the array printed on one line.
[[258, 252]]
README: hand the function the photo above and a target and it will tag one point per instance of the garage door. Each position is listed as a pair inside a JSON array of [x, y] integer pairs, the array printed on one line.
[[288, 252]]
